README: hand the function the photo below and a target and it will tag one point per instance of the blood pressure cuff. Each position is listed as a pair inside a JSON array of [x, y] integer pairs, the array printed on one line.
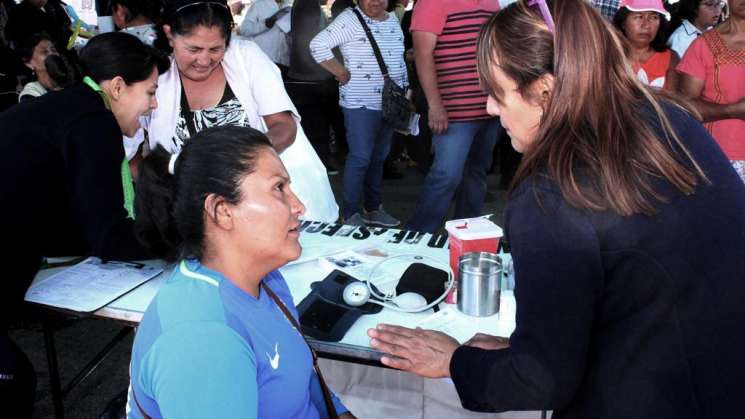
[[425, 280], [325, 316], [323, 313]]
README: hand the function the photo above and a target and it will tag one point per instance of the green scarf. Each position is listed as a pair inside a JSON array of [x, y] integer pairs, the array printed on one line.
[[126, 174]]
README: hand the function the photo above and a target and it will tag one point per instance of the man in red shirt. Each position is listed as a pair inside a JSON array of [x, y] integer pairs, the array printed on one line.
[[445, 34]]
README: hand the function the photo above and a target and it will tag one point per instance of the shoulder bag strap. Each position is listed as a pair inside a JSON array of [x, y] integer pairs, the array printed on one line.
[[142, 412], [373, 44], [324, 389], [134, 396]]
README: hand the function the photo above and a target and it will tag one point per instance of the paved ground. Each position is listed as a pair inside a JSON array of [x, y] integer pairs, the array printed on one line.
[[77, 341]]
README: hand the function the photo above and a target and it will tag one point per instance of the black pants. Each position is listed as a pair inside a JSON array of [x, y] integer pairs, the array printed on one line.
[[317, 103], [17, 375], [17, 380]]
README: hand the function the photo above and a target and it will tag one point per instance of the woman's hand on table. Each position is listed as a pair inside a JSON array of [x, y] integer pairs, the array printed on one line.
[[426, 353], [488, 342]]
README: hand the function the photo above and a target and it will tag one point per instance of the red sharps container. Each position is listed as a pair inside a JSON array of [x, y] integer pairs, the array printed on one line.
[[466, 236]]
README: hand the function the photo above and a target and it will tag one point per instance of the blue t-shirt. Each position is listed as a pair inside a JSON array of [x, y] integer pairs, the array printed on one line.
[[207, 349]]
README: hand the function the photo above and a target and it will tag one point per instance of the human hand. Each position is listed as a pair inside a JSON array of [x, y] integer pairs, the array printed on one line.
[[236, 7], [488, 342], [409, 55], [738, 109], [423, 352], [438, 119], [343, 77]]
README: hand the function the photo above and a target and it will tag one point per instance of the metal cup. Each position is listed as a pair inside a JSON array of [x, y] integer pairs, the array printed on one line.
[[479, 283]]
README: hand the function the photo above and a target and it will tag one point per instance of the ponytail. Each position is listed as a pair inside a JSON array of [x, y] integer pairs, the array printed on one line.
[[60, 70], [170, 213], [155, 226]]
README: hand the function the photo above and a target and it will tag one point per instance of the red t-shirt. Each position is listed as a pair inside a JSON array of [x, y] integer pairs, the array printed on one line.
[[723, 72], [457, 24], [653, 72]]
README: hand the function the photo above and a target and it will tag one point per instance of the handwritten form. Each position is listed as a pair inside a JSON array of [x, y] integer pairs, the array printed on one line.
[[90, 285]]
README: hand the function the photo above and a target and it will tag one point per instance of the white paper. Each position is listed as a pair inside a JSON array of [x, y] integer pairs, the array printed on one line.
[[90, 285], [462, 327], [445, 321], [414, 125], [360, 264]]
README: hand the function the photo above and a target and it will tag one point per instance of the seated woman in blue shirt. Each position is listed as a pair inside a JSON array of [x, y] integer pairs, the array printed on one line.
[[214, 342]]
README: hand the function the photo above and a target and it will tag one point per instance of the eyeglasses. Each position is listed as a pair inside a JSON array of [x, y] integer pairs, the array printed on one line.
[[713, 4], [545, 13]]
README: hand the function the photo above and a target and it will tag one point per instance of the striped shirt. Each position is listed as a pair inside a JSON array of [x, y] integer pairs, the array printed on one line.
[[365, 86], [457, 24], [607, 8]]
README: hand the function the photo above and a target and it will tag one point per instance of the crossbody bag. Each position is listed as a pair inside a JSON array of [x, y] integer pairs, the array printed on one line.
[[397, 108]]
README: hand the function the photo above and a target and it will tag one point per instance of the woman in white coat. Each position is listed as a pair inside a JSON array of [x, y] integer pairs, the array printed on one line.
[[214, 81]]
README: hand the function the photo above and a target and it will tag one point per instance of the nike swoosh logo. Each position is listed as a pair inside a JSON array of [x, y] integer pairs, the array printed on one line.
[[274, 361]]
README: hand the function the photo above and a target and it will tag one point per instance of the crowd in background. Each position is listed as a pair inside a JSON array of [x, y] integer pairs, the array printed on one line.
[[38, 57]]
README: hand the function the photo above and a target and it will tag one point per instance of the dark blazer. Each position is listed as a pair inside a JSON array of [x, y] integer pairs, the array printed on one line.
[[306, 21], [25, 20], [60, 162], [623, 317]]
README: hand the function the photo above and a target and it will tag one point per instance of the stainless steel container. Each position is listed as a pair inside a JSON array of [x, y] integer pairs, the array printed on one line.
[[479, 280]]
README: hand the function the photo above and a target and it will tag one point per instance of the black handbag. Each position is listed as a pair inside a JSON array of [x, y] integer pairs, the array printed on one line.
[[397, 108]]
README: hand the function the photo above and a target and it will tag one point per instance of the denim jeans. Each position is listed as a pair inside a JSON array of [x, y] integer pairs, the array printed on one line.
[[463, 154], [369, 140]]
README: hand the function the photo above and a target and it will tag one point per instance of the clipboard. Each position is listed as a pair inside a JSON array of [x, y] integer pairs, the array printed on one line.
[[90, 285]]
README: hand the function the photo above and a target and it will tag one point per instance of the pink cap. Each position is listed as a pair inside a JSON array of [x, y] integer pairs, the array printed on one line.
[[646, 6]]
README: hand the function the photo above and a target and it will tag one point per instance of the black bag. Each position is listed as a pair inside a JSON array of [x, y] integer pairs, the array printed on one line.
[[397, 108]]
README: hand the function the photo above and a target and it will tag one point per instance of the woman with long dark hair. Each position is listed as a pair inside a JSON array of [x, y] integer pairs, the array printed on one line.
[[67, 187], [218, 340], [627, 229]]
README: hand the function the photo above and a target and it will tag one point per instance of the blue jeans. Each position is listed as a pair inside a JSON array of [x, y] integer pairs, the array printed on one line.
[[369, 140], [463, 154]]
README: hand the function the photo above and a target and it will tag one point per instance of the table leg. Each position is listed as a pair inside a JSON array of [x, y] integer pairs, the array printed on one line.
[[96, 361], [54, 379]]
